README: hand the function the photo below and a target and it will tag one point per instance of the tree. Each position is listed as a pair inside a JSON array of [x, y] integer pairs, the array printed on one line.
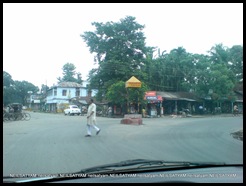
[[235, 61], [79, 78], [44, 89], [119, 94], [69, 74], [212, 76], [182, 71], [119, 50], [21, 90], [196, 74], [168, 72], [225, 69], [7, 79], [219, 54], [220, 80], [8, 88], [16, 91]]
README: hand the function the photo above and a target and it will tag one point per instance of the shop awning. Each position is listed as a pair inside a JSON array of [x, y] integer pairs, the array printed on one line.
[[168, 95], [239, 100], [187, 99], [175, 96], [152, 97]]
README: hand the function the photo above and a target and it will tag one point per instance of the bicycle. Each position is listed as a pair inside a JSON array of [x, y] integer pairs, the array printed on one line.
[[26, 116], [18, 116], [8, 116]]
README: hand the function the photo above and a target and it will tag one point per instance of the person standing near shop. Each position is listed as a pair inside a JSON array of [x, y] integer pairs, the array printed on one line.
[[91, 118], [143, 112], [235, 110], [201, 109], [110, 112]]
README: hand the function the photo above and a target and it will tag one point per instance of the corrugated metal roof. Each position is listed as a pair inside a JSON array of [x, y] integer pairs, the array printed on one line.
[[187, 99], [69, 84], [167, 95], [187, 96], [85, 100]]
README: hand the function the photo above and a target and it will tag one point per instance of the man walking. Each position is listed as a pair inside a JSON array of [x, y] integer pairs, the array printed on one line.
[[91, 119]]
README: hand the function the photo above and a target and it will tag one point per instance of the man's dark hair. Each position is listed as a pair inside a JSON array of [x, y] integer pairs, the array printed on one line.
[[92, 100]]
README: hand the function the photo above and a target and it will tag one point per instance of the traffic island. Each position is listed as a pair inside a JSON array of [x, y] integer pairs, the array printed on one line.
[[132, 119]]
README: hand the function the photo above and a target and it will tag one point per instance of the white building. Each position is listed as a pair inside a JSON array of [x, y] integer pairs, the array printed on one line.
[[60, 95]]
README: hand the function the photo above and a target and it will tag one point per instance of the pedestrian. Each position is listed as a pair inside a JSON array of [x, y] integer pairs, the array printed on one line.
[[235, 110], [4, 110], [110, 110], [143, 112], [201, 109], [91, 118]]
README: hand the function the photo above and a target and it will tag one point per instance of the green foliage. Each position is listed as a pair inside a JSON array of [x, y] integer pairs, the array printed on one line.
[[69, 74], [235, 61], [119, 50], [7, 79], [119, 94], [16, 91], [22, 88], [44, 89]]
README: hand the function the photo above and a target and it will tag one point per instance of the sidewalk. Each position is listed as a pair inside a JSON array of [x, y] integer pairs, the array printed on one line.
[[205, 115], [192, 116], [217, 115]]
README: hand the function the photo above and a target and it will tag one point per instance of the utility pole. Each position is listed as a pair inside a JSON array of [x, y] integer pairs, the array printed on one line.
[[30, 93]]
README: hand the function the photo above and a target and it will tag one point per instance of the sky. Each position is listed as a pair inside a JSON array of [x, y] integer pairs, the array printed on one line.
[[39, 38]]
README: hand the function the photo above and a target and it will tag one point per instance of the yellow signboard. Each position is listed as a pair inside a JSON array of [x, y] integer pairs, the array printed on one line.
[[133, 82]]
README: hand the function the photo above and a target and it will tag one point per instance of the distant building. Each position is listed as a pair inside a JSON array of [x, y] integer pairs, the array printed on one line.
[[60, 95], [33, 102]]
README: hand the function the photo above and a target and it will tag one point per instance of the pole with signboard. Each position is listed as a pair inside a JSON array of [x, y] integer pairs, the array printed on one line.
[[133, 82]]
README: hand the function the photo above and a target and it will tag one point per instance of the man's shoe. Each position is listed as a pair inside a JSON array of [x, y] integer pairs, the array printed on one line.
[[87, 135], [98, 131]]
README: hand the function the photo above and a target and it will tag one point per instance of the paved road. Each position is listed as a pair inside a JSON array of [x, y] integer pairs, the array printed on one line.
[[54, 143]]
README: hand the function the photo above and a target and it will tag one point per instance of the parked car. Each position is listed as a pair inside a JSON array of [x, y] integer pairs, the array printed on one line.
[[72, 110]]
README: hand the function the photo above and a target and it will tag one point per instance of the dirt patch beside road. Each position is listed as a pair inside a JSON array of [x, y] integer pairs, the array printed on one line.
[[238, 135]]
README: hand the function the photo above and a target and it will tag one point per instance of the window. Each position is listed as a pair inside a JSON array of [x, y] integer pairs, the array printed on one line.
[[77, 92], [64, 92], [55, 91], [74, 106]]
